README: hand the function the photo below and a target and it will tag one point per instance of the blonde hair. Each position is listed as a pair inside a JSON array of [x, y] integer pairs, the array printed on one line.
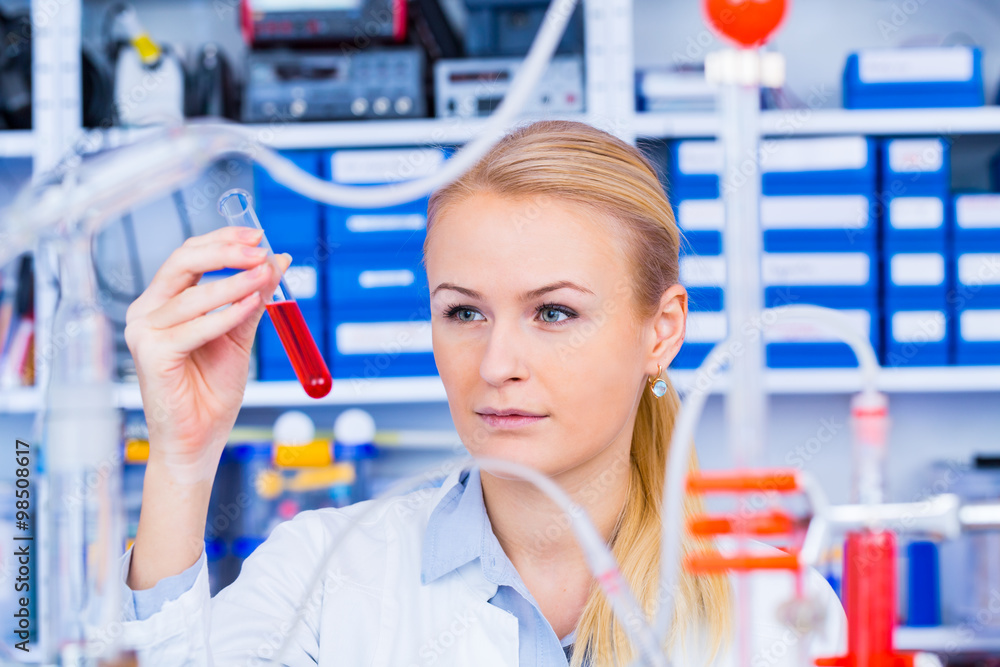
[[576, 162]]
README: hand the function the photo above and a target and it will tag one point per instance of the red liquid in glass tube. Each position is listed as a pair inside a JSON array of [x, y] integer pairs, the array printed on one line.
[[308, 363]]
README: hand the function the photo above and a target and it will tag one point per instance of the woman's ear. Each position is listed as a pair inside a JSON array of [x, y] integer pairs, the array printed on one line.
[[669, 324]]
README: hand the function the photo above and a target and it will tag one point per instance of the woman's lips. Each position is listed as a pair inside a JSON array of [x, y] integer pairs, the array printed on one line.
[[510, 421]]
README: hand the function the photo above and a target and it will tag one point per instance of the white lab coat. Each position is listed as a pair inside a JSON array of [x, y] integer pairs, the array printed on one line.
[[371, 609]]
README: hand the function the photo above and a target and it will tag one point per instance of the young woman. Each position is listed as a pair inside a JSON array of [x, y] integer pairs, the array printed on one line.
[[553, 279]]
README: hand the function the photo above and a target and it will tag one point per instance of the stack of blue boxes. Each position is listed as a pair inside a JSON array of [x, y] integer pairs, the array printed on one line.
[[950, 76], [694, 193], [977, 275], [914, 189], [820, 242], [379, 304], [293, 224]]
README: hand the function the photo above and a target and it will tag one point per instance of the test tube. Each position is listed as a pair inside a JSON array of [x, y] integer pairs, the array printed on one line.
[[310, 368]]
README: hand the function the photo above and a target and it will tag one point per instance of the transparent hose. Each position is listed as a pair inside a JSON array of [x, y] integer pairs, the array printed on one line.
[[599, 558], [107, 186], [684, 427]]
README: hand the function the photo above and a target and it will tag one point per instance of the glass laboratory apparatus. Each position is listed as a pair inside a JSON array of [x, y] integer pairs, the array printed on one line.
[[310, 368]]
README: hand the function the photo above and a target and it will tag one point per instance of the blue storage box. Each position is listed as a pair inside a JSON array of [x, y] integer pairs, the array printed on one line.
[[977, 336], [819, 278], [915, 166], [916, 223], [704, 277], [694, 167], [288, 218], [366, 278], [705, 329], [977, 276], [801, 345], [845, 281], [917, 333], [950, 76], [366, 344], [823, 165], [701, 222], [272, 361], [389, 228], [917, 277], [818, 223], [977, 222]]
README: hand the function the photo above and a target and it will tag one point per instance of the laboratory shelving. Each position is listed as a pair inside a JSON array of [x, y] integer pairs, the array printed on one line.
[[814, 381], [610, 99], [793, 122]]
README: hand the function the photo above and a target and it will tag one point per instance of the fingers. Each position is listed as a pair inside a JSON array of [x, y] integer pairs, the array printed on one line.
[[201, 299], [195, 333], [227, 247]]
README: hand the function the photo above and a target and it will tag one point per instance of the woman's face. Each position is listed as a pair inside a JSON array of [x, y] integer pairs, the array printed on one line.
[[532, 311]]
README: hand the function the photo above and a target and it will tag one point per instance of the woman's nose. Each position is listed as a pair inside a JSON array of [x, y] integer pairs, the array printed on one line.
[[504, 357]]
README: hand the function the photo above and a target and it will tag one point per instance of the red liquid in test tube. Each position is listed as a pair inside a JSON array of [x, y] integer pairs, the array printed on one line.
[[306, 359]]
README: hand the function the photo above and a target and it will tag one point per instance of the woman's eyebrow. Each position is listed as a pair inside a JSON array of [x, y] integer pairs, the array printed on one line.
[[527, 296]]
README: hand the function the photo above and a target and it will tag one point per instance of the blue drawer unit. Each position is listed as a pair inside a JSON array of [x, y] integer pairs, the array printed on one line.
[[705, 329], [917, 333], [694, 167], [389, 228], [358, 279], [816, 277], [914, 78], [704, 276], [386, 341], [818, 223], [917, 277], [916, 223], [845, 281], [977, 336], [813, 166], [801, 345], [977, 222], [272, 361], [977, 276], [915, 166], [290, 220], [701, 222]]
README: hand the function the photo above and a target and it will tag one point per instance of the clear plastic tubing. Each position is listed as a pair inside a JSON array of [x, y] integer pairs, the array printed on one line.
[[310, 368]]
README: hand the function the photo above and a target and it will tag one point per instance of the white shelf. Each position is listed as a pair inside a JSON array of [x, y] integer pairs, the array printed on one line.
[[950, 379], [16, 143], [27, 399], [351, 133], [344, 392], [979, 120], [945, 639]]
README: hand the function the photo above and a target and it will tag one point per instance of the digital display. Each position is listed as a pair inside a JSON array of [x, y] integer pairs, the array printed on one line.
[[304, 5], [457, 77]]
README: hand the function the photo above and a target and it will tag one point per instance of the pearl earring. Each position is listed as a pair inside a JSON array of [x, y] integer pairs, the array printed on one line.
[[659, 387]]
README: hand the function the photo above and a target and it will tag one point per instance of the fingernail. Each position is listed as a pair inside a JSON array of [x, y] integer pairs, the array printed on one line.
[[259, 271], [285, 254], [250, 233]]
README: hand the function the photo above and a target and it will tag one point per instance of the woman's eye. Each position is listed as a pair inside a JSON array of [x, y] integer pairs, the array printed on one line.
[[551, 314], [462, 314]]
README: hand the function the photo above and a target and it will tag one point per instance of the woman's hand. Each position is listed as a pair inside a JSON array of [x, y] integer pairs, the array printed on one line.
[[191, 359]]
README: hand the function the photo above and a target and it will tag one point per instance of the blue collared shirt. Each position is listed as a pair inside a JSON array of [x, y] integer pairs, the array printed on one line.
[[458, 531]]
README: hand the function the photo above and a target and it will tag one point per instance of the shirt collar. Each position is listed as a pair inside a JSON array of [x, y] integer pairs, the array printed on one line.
[[459, 531]]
